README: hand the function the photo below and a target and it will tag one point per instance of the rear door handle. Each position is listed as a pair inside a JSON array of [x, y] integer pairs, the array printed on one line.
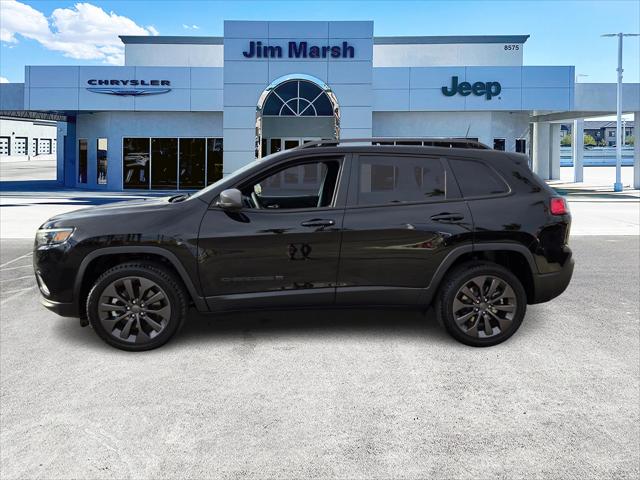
[[447, 217], [318, 222]]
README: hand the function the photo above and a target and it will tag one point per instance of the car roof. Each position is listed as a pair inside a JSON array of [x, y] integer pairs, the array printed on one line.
[[331, 150]]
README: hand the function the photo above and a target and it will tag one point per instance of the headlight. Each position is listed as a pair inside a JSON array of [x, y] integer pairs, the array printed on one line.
[[53, 236]]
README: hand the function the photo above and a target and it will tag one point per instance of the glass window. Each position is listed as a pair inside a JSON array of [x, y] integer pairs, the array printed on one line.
[[400, 179], [82, 161], [499, 144], [295, 187], [135, 158], [192, 162], [289, 144], [476, 179], [276, 145], [299, 98], [101, 161], [214, 160], [164, 163], [521, 145]]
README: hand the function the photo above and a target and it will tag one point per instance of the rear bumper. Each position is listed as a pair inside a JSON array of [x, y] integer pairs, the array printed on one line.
[[549, 285], [61, 308]]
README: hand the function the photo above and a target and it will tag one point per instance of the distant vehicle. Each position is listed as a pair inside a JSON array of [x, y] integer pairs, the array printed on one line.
[[447, 223]]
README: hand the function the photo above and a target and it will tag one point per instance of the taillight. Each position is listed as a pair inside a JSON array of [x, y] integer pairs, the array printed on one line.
[[559, 206]]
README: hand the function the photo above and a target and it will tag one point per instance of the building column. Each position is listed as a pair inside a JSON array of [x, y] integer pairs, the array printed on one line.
[[636, 150], [541, 150], [61, 131], [70, 178], [577, 150], [554, 152]]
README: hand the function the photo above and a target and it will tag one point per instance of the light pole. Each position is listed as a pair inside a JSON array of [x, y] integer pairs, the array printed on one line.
[[617, 187]]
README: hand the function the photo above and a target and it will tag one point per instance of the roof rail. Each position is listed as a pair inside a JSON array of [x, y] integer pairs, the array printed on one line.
[[427, 142]]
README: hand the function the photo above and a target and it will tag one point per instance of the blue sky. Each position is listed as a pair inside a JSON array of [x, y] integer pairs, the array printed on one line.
[[562, 32]]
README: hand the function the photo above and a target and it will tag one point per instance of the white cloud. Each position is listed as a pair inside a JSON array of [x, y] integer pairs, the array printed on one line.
[[190, 27], [84, 32], [4, 80]]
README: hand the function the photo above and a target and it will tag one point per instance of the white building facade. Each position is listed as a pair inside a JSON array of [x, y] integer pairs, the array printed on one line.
[[24, 139], [184, 111]]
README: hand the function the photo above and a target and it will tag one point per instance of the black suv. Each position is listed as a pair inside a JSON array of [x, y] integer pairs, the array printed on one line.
[[445, 222]]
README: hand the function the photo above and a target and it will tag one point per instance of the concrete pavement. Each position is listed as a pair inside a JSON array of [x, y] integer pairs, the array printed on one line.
[[341, 394], [316, 394]]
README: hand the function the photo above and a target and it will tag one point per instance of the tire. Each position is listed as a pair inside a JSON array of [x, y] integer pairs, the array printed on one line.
[[466, 320], [117, 311]]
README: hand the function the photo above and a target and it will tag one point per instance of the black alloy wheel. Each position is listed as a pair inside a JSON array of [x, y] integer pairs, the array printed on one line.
[[136, 306], [484, 306], [481, 303]]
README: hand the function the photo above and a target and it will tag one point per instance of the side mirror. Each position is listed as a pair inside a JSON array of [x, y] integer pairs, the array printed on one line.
[[230, 199]]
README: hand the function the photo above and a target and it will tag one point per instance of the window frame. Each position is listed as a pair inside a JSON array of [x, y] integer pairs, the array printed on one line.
[[509, 191], [451, 192], [339, 196]]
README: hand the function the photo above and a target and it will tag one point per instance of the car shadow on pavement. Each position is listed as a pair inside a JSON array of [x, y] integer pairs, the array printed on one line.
[[234, 327], [323, 322]]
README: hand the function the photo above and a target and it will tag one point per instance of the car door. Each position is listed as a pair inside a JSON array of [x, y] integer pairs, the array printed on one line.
[[282, 250], [404, 215]]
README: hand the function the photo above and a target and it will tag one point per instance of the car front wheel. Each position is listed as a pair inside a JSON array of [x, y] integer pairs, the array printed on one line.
[[481, 304], [136, 306]]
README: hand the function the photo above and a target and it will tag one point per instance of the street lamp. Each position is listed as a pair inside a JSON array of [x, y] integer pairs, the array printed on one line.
[[617, 187]]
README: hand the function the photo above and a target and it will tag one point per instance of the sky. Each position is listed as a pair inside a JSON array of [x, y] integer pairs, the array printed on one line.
[[56, 32]]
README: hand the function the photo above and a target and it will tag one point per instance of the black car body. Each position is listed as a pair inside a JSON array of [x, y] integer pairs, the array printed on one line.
[[374, 225]]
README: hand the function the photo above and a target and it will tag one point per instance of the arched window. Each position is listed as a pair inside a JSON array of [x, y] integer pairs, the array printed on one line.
[[297, 98]]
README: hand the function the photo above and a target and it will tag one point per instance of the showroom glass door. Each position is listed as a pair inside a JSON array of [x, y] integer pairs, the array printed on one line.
[[164, 166], [192, 163], [273, 145]]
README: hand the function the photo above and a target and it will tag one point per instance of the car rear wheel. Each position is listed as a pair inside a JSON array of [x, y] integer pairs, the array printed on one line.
[[481, 304], [136, 306]]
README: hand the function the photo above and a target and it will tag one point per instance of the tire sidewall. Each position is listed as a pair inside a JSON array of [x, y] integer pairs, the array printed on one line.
[[464, 275], [176, 302]]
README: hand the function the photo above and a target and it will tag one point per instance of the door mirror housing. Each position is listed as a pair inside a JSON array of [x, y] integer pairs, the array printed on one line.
[[230, 199]]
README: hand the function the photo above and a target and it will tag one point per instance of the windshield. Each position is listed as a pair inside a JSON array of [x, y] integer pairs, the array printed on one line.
[[238, 172]]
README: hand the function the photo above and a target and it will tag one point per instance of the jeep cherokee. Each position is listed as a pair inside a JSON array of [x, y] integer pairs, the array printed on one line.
[[329, 224]]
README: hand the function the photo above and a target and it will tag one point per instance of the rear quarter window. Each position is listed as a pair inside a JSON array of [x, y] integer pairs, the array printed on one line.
[[383, 180], [477, 179]]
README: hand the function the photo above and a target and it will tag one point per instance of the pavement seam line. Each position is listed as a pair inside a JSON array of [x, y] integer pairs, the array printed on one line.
[[15, 260], [16, 268], [15, 279]]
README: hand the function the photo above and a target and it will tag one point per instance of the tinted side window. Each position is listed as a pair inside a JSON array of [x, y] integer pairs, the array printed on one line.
[[400, 179], [476, 179], [309, 185]]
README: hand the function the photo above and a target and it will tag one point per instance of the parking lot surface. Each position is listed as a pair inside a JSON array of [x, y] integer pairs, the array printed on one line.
[[346, 393]]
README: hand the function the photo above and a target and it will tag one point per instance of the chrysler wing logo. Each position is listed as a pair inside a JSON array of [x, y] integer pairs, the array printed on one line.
[[136, 87], [130, 92]]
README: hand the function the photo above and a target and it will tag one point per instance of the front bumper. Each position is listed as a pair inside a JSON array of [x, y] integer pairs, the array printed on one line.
[[61, 308], [549, 285]]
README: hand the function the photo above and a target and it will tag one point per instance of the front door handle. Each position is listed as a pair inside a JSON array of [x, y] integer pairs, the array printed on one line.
[[318, 222], [447, 217]]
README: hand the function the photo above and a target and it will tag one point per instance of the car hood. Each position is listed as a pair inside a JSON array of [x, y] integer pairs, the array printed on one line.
[[109, 209]]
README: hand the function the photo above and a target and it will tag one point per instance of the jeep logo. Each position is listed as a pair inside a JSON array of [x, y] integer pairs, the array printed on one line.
[[488, 89]]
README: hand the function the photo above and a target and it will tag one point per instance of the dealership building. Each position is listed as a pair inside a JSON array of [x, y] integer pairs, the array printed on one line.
[[184, 111]]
